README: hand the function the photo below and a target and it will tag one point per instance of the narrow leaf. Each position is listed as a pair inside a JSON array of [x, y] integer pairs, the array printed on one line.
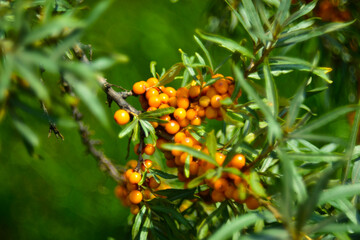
[[137, 223], [128, 128], [211, 143], [157, 113], [207, 54], [170, 75], [271, 90], [305, 9], [339, 192]]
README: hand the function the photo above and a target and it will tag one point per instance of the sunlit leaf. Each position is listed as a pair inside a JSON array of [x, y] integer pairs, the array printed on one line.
[[170, 74], [157, 113], [207, 54], [128, 128], [271, 90], [137, 223]]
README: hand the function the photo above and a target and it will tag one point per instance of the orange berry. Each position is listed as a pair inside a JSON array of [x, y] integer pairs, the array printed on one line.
[[183, 102], [183, 157], [176, 153], [217, 75], [188, 141], [179, 114], [197, 147], [179, 137], [221, 86], [201, 112], [193, 168], [130, 186], [211, 92], [238, 161], [191, 114], [204, 90], [229, 192], [217, 196], [170, 163], [120, 192], [166, 118], [154, 124], [152, 81], [204, 101], [164, 98], [147, 163], [182, 92], [215, 101], [153, 183], [121, 117], [194, 91], [151, 109], [221, 184], [135, 197], [183, 123], [131, 164], [211, 113], [164, 105], [139, 88], [220, 158], [128, 173], [172, 101], [171, 92], [181, 177], [154, 101], [143, 102], [151, 92], [196, 121], [135, 178], [136, 149], [172, 127], [134, 209], [149, 149], [160, 142], [252, 203]]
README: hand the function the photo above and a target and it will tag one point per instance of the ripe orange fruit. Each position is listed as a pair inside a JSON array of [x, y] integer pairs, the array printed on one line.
[[152, 81], [179, 114], [149, 149], [128, 173], [151, 92], [135, 178], [151, 109], [153, 183], [160, 142], [120, 192], [131, 164], [164, 105], [238, 161], [134, 209], [217, 75], [221, 86], [164, 98], [147, 163], [166, 118], [172, 127], [215, 101], [217, 196], [221, 184], [170, 163], [135, 197], [193, 168], [194, 91], [139, 88], [191, 114], [220, 158], [211, 113], [211, 92], [171, 92], [196, 121], [121, 117], [176, 153], [172, 101], [183, 102], [179, 137], [204, 101], [182, 92], [252, 203], [188, 141], [183, 123], [154, 101]]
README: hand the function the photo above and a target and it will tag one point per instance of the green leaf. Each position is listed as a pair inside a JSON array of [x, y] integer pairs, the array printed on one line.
[[6, 68], [187, 166], [323, 120], [235, 225], [251, 15], [295, 104], [157, 113], [355, 175], [271, 90], [339, 192], [218, 211], [173, 213], [137, 223], [256, 185], [269, 234], [226, 43], [282, 12], [153, 68], [145, 229], [97, 11], [191, 151], [170, 75], [316, 157], [305, 9], [163, 174], [26, 132], [188, 63], [89, 98], [173, 194], [274, 127], [345, 206], [303, 35], [128, 127], [207, 54], [341, 227], [211, 143]]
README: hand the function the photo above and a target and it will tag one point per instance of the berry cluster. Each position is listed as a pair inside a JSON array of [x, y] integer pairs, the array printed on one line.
[[192, 105]]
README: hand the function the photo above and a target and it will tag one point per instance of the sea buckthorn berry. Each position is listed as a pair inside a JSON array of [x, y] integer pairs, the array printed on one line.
[[197, 147], [252, 203], [221, 184], [151, 92], [172, 101], [221, 86], [172, 127], [184, 123], [120, 192], [131, 164], [149, 149], [134, 209], [238, 161], [171, 92], [152, 81], [135, 178], [130, 186], [188, 141], [211, 92], [178, 162], [179, 114], [154, 124], [153, 183], [179, 137], [217, 75], [121, 117], [164, 98], [204, 101], [181, 177], [139, 88], [164, 105], [147, 163], [201, 112], [211, 113], [183, 102], [128, 173], [193, 168], [182, 92], [196, 121], [191, 114], [176, 153], [160, 142], [220, 158], [135, 197], [166, 118], [136, 148], [217, 196], [126, 202], [194, 91], [183, 157], [170, 163], [143, 102], [229, 191], [151, 109], [154, 101], [215, 101]]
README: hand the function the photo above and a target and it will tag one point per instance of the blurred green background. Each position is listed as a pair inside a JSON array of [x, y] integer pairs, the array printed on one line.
[[60, 193]]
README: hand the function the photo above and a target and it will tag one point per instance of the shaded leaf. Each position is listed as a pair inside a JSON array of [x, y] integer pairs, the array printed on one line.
[[164, 175], [137, 223], [339, 192], [271, 90], [170, 74]]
